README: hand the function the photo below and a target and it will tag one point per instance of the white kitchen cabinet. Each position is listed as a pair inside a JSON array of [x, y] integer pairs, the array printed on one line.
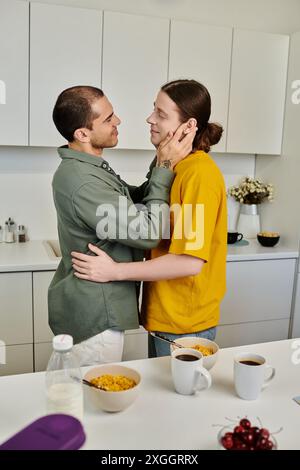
[[19, 360], [16, 308], [257, 304], [41, 283], [42, 353], [239, 334], [295, 330], [257, 92], [203, 53], [14, 39], [258, 290], [65, 50], [135, 65], [135, 344]]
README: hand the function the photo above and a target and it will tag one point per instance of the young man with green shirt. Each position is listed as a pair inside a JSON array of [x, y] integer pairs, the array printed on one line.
[[96, 315]]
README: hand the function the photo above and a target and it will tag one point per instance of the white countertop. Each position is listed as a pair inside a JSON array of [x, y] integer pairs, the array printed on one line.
[[162, 419], [255, 251], [35, 255], [29, 256]]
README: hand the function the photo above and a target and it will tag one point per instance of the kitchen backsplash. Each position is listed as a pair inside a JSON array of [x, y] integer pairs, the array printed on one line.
[[26, 174]]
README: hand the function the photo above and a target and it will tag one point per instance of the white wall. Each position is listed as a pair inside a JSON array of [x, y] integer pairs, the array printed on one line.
[[26, 173], [283, 215]]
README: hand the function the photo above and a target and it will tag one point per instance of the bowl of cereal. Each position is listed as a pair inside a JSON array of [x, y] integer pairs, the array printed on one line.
[[208, 348], [119, 386], [268, 238]]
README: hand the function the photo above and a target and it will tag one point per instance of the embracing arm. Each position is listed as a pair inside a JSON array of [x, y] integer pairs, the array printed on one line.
[[164, 267], [102, 268]]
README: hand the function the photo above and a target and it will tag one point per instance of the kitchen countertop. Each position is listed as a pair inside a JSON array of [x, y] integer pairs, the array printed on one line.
[[255, 251], [152, 421], [36, 255], [33, 255]]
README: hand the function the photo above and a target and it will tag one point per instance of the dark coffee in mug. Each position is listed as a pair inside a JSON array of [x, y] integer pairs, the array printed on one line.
[[187, 357], [251, 363]]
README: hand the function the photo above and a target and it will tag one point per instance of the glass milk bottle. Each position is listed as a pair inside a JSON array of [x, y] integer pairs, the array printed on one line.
[[63, 379]]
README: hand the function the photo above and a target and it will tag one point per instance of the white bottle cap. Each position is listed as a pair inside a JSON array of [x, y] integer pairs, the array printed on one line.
[[62, 342]]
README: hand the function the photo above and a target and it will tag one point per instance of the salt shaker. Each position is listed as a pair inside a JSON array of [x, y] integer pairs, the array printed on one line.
[[9, 232]]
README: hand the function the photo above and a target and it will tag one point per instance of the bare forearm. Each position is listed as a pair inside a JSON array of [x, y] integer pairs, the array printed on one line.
[[164, 267]]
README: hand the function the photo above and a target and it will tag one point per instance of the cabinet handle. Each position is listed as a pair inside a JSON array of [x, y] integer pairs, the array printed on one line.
[[2, 92]]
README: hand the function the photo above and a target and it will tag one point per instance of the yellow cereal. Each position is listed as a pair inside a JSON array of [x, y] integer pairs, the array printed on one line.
[[113, 383], [205, 351], [268, 234]]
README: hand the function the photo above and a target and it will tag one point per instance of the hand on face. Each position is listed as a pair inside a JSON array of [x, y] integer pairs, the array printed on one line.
[[176, 146], [100, 268]]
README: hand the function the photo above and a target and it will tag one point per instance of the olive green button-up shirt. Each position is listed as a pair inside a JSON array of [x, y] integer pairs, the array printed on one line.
[[80, 185]]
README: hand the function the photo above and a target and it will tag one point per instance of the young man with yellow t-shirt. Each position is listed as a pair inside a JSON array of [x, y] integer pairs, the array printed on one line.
[[186, 273]]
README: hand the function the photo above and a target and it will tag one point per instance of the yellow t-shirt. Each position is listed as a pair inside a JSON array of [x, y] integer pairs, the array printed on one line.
[[192, 303]]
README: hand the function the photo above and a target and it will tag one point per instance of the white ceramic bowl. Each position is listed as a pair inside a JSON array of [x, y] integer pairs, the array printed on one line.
[[112, 401], [188, 341]]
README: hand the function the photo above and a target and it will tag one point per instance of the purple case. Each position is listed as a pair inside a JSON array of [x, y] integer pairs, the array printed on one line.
[[51, 432]]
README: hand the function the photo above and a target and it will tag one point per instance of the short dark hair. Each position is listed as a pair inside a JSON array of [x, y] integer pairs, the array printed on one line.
[[73, 110], [193, 101]]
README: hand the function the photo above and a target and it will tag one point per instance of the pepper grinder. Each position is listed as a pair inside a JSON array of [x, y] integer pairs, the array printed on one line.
[[9, 232], [21, 235]]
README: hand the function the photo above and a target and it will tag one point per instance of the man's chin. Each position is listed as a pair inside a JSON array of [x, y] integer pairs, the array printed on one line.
[[113, 143], [155, 141]]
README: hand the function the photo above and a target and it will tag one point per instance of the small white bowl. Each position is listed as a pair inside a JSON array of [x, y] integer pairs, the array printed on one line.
[[113, 401], [188, 341]]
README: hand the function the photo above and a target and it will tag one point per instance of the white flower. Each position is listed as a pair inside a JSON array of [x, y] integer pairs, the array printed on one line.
[[251, 191]]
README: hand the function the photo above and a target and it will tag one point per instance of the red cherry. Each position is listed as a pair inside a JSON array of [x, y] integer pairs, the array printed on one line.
[[255, 431], [239, 430], [228, 434], [264, 433], [227, 442], [269, 445], [240, 446], [261, 443], [245, 423], [248, 438]]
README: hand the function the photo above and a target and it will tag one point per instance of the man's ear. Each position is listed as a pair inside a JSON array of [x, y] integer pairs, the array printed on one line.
[[192, 123], [82, 135]]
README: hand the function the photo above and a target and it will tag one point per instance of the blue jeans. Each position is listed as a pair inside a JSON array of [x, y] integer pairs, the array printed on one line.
[[158, 347]]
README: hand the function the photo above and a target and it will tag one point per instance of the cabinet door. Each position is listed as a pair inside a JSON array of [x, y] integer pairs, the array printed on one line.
[[18, 360], [258, 291], [203, 53], [257, 92], [135, 66], [16, 308], [14, 39], [65, 50], [296, 314], [41, 282], [42, 353], [240, 334], [135, 345]]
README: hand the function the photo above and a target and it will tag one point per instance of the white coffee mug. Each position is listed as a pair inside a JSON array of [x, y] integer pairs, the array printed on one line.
[[189, 376], [250, 375]]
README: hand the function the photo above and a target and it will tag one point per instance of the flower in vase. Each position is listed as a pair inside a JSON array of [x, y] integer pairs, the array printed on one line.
[[251, 191]]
